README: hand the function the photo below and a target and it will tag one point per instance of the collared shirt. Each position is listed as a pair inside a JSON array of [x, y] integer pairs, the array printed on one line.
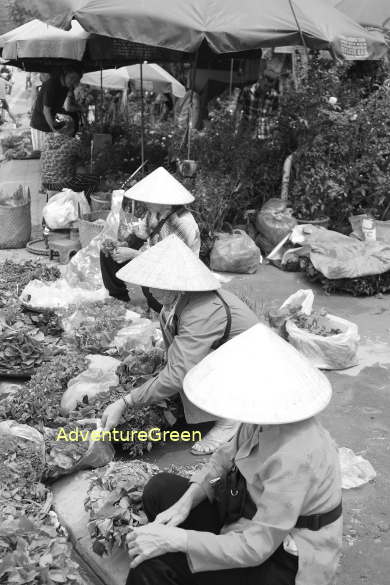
[[290, 470], [201, 322], [258, 108]]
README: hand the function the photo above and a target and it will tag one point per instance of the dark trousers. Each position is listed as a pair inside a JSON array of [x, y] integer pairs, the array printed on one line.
[[163, 491], [116, 287]]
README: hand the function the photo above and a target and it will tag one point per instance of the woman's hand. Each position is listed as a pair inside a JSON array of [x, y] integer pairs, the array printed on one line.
[[153, 540], [176, 514], [121, 255], [112, 415]]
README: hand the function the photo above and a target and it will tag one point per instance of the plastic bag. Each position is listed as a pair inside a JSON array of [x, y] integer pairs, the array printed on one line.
[[138, 335], [58, 295], [66, 456], [84, 267], [64, 208], [96, 379], [300, 302], [235, 252], [25, 432], [274, 221], [335, 352], [355, 470]]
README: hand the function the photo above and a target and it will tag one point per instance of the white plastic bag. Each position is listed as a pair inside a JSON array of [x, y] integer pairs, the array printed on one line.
[[58, 295], [301, 301], [355, 470], [138, 335], [335, 352], [100, 375], [65, 207]]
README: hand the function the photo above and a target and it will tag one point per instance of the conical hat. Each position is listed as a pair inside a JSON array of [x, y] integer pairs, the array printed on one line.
[[169, 265], [159, 187], [258, 378]]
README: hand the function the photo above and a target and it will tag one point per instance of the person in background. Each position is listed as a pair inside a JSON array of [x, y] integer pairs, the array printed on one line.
[[258, 105], [165, 200], [3, 98], [49, 102], [196, 318], [267, 507], [61, 166]]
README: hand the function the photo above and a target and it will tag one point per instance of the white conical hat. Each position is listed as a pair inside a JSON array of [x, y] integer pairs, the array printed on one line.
[[258, 378], [159, 187], [169, 265]]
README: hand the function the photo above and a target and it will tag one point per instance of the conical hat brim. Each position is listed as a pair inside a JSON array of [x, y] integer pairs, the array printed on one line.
[[160, 188], [258, 378], [169, 265]]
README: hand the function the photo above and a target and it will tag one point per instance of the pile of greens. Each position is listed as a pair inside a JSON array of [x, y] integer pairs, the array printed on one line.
[[114, 501], [33, 546], [39, 404], [14, 276]]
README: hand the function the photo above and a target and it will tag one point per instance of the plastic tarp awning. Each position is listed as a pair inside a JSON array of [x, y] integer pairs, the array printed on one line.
[[375, 13], [226, 25], [119, 78]]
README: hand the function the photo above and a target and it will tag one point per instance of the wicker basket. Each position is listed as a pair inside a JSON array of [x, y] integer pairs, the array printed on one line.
[[87, 229], [15, 222], [100, 201]]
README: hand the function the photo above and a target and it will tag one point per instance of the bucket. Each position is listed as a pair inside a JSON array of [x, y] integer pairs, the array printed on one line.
[[100, 201]]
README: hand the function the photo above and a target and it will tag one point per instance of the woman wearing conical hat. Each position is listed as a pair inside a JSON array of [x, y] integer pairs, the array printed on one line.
[[196, 319], [266, 508], [165, 199]]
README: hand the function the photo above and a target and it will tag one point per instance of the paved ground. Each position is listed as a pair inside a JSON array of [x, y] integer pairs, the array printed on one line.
[[357, 417]]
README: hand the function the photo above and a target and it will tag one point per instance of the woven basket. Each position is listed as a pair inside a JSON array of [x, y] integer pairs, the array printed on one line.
[[15, 224], [87, 229], [100, 201]]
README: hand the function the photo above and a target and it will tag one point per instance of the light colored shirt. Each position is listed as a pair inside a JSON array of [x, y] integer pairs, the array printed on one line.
[[201, 320], [182, 224], [290, 470], [3, 86]]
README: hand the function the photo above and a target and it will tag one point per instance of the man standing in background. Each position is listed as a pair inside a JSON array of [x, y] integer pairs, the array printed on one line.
[[49, 102]]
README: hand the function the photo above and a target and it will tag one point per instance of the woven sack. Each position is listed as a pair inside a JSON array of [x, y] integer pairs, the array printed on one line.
[[15, 224]]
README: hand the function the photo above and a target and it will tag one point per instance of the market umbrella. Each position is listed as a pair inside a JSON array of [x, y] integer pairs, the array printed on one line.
[[151, 72], [37, 46], [225, 25], [373, 13]]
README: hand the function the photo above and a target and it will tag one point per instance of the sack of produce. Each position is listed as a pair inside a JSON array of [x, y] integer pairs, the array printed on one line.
[[64, 208], [22, 455], [38, 295], [329, 342], [274, 221], [137, 335], [100, 375], [235, 252], [75, 447]]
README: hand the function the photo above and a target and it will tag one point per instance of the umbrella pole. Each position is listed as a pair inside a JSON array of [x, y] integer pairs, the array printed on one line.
[[231, 77], [101, 99], [194, 65], [299, 28], [142, 118]]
